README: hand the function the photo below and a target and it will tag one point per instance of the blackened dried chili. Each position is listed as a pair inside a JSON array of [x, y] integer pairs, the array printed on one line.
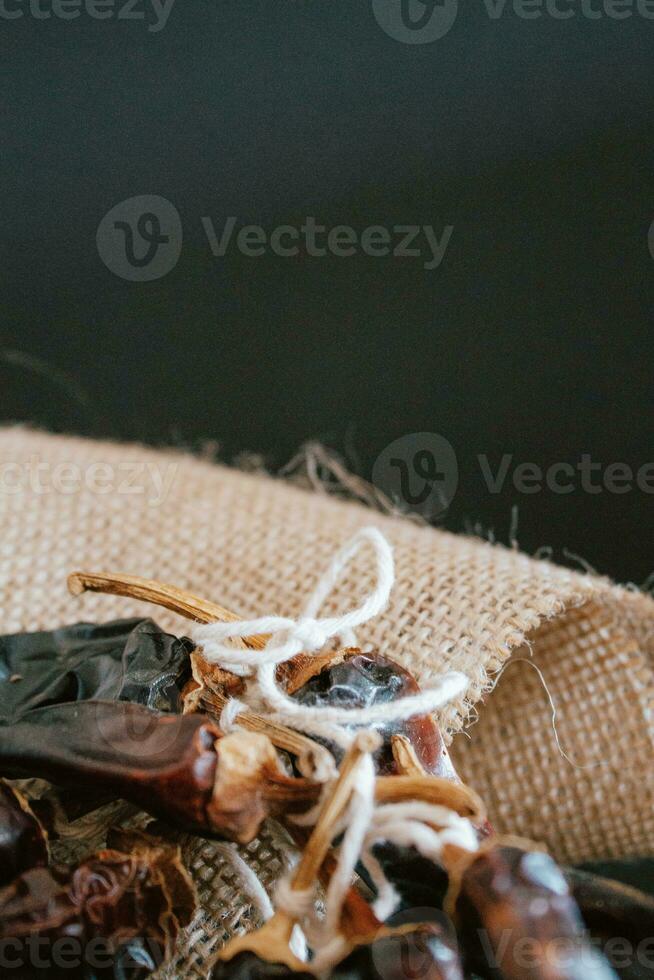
[[127, 660], [360, 680]]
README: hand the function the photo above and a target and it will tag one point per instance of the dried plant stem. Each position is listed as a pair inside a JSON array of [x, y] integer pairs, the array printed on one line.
[[406, 760], [271, 942], [431, 789], [311, 756], [169, 596]]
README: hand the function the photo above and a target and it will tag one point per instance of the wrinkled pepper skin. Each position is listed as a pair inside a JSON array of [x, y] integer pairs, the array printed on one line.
[[23, 842], [165, 764], [113, 916], [361, 680], [125, 660]]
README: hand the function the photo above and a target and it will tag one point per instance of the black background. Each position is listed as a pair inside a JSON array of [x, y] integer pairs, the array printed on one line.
[[534, 337]]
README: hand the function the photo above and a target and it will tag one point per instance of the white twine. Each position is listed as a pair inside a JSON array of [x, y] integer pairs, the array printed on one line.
[[406, 824], [229, 715], [309, 634], [249, 879], [427, 827]]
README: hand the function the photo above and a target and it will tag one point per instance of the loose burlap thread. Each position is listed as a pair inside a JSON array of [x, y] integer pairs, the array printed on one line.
[[258, 545]]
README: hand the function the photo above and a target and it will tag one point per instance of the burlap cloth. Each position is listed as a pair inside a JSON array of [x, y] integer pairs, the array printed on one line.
[[258, 545]]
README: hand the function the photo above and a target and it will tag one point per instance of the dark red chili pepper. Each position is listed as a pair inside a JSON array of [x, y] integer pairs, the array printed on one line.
[[517, 919], [23, 842], [360, 680], [177, 767]]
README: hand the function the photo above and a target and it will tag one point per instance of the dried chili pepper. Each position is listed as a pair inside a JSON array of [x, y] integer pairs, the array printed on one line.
[[619, 918], [517, 919], [347, 678], [127, 660], [114, 915], [177, 767], [426, 951], [23, 841], [354, 679]]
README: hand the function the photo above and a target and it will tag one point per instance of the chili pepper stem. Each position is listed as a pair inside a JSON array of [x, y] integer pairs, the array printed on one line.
[[169, 596], [312, 757], [271, 942], [406, 760]]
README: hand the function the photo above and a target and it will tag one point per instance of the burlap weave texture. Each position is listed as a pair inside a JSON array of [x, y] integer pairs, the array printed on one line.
[[258, 545]]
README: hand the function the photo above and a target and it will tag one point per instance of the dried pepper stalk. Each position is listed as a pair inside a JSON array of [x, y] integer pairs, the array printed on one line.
[[252, 954], [115, 914], [23, 841]]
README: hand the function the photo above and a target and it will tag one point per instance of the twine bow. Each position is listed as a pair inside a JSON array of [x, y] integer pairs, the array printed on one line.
[[309, 634]]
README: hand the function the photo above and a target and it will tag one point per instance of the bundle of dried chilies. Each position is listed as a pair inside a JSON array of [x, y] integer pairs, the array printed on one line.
[[137, 714]]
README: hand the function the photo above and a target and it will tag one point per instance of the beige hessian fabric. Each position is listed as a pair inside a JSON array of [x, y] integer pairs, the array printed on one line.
[[258, 545]]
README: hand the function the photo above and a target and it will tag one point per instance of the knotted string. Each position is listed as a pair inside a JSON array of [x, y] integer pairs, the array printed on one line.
[[309, 634], [427, 827]]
